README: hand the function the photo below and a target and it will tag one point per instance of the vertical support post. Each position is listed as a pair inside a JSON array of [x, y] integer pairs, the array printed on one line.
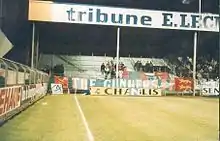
[[194, 63], [117, 54], [200, 6], [37, 51], [25, 73], [52, 64], [6, 75], [33, 46], [195, 51]]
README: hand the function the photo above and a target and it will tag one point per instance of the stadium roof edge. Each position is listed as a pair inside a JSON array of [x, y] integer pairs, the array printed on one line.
[[51, 2]]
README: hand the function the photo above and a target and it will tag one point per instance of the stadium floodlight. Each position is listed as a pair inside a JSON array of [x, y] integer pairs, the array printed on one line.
[[195, 46]]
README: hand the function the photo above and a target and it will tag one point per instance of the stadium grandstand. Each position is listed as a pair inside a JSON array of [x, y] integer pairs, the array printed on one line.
[[72, 70]]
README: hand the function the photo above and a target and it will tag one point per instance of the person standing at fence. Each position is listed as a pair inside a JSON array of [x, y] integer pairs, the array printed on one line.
[[107, 71], [103, 68]]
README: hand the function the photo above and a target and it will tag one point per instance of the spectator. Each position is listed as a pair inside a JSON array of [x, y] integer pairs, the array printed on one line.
[[125, 74], [138, 66], [107, 71], [103, 68]]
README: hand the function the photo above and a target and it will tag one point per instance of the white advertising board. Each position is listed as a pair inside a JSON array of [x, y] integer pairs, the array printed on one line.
[[210, 88], [56, 88]]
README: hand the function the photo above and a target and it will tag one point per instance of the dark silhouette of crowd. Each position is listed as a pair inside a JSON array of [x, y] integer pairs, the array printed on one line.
[[109, 69], [207, 68], [149, 67]]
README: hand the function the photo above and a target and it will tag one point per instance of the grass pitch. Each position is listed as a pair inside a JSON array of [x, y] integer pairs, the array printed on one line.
[[57, 118]]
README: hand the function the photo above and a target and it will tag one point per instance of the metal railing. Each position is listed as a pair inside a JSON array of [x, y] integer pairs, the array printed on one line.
[[13, 73]]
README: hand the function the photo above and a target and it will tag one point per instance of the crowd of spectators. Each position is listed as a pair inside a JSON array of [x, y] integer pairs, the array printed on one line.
[[206, 68], [149, 67], [183, 67], [109, 69]]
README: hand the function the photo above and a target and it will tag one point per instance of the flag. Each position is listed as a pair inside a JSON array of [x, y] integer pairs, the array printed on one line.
[[183, 84]]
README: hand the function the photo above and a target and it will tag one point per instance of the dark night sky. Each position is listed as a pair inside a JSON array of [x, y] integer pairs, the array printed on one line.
[[73, 38]]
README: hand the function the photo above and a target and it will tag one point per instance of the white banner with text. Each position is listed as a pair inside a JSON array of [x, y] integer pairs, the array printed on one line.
[[125, 91], [99, 15]]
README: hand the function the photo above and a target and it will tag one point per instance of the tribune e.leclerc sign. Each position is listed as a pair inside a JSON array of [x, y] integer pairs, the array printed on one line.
[[88, 14]]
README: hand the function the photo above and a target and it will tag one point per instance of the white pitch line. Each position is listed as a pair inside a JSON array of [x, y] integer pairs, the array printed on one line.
[[89, 133]]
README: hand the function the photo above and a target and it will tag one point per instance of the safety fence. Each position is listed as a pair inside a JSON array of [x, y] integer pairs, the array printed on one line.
[[13, 73], [148, 87], [15, 98]]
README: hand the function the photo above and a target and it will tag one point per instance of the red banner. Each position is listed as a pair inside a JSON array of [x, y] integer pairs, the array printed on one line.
[[183, 84], [10, 99], [61, 80]]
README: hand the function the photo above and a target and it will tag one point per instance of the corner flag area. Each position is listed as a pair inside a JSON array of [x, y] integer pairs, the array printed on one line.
[[115, 118]]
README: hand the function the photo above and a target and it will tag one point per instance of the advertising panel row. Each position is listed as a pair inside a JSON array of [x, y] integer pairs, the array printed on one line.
[[30, 91], [13, 97], [162, 83], [100, 15], [125, 91]]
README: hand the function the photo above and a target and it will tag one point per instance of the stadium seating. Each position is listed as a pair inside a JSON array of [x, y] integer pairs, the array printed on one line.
[[90, 66], [128, 62], [78, 66]]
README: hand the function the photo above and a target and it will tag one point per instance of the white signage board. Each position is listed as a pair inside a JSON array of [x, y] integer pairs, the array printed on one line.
[[210, 88], [56, 88], [100, 15]]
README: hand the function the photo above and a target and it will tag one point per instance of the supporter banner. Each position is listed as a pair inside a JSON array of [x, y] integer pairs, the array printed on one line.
[[183, 84], [124, 83], [80, 83], [10, 98], [56, 88], [88, 14], [150, 83], [210, 88], [61, 80], [124, 91]]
